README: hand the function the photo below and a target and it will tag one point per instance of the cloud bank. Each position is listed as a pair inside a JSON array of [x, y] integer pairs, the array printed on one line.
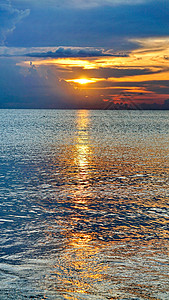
[[63, 52]]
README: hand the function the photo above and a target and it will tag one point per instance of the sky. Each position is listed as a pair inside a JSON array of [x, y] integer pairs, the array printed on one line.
[[84, 54]]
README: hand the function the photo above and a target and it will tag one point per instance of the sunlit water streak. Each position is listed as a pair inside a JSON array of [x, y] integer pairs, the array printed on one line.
[[84, 204]]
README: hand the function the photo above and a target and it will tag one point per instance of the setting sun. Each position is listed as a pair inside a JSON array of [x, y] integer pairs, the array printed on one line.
[[82, 80]]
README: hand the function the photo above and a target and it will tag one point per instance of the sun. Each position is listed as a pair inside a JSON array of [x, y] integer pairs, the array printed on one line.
[[82, 80]]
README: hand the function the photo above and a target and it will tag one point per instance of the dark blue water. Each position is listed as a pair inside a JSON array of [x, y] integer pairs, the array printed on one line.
[[84, 210]]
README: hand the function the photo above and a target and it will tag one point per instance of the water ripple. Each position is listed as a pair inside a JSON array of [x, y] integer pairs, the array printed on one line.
[[84, 208]]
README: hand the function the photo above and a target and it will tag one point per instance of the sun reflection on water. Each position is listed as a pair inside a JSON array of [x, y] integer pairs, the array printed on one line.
[[82, 140], [99, 226], [78, 269]]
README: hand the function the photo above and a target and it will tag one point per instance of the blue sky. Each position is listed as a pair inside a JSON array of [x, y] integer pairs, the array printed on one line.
[[52, 29]]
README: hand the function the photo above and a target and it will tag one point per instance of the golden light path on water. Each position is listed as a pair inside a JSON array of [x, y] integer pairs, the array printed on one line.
[[105, 256]]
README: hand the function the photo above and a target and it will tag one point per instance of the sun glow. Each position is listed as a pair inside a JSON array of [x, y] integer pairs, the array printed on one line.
[[142, 73], [82, 80]]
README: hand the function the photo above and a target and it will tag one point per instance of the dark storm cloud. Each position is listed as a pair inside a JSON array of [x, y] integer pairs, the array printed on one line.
[[9, 17]]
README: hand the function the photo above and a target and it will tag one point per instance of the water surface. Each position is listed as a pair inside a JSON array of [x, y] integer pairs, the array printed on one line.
[[84, 208]]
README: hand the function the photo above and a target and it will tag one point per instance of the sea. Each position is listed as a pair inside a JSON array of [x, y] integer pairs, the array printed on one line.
[[84, 204]]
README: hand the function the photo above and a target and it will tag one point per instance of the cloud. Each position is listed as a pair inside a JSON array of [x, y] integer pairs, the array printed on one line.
[[32, 88], [27, 85], [9, 17], [63, 52]]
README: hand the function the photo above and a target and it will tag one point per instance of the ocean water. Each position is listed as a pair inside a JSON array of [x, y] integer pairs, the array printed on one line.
[[84, 204]]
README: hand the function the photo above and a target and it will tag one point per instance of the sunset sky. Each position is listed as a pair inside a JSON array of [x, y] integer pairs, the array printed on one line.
[[84, 54]]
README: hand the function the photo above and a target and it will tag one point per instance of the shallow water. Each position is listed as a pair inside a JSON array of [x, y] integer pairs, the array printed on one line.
[[84, 208]]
